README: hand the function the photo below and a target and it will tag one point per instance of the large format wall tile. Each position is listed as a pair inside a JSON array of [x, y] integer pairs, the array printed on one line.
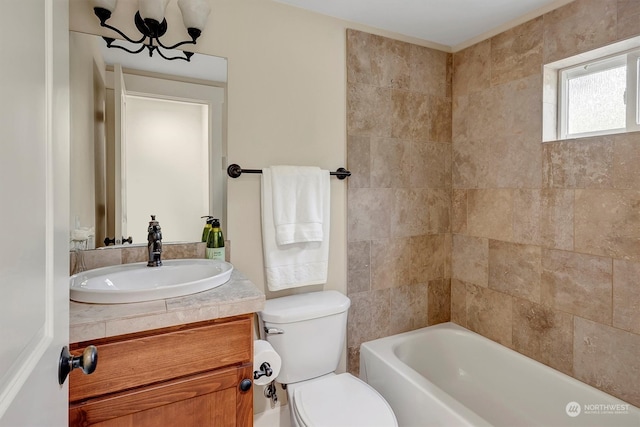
[[458, 211], [439, 301], [432, 257], [515, 269], [512, 109], [408, 308], [579, 26], [377, 61], [391, 263], [429, 70], [410, 120], [369, 316], [517, 52], [471, 71], [626, 295], [544, 217], [420, 117], [543, 334], [498, 162], [578, 284], [628, 18], [410, 212], [439, 208], [359, 155], [607, 358], [389, 160], [626, 158], [470, 259], [578, 163], [368, 110], [369, 213], [460, 119], [489, 313], [358, 266], [459, 302], [430, 165], [607, 222], [490, 213]]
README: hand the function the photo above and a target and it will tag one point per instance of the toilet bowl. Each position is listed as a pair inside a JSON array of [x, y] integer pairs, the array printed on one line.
[[338, 401], [308, 331]]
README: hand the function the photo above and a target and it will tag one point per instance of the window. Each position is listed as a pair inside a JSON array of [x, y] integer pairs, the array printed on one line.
[[599, 97]]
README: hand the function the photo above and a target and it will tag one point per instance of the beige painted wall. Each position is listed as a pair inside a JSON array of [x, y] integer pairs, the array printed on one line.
[[286, 105]]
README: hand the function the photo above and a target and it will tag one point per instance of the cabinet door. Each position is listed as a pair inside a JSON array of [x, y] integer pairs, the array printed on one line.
[[209, 399]]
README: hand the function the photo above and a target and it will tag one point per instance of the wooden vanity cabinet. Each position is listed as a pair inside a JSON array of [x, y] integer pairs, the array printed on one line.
[[183, 376]]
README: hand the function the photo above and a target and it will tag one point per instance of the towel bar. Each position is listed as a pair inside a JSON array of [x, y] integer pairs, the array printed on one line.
[[234, 171]]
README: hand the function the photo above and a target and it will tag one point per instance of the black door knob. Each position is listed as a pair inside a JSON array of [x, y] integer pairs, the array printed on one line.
[[87, 361], [245, 384]]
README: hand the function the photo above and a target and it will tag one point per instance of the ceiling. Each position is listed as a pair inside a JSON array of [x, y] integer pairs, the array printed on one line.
[[452, 23]]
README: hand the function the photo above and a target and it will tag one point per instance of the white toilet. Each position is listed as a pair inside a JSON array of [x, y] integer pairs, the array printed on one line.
[[308, 332]]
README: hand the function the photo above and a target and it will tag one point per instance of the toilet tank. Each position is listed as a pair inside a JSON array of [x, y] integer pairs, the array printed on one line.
[[313, 328]]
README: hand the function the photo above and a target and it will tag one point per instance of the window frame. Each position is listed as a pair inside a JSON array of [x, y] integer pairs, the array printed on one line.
[[629, 57]]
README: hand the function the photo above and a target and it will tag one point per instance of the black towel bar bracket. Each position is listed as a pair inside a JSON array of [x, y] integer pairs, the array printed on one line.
[[234, 171]]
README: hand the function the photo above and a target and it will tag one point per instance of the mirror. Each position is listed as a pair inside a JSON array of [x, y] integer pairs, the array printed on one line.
[[148, 137]]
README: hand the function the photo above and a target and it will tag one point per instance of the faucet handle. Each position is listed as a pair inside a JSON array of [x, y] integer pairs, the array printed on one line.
[[154, 224]]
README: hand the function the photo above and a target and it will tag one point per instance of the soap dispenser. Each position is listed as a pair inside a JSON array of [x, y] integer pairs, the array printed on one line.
[[215, 242], [207, 227]]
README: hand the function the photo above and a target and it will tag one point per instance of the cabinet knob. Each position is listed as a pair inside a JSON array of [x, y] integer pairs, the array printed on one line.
[[87, 361], [245, 384]]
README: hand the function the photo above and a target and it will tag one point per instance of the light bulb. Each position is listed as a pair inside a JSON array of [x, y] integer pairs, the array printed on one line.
[[109, 5], [194, 13], [152, 9]]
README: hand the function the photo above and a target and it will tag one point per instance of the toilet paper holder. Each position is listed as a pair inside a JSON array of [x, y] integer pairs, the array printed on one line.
[[265, 371]]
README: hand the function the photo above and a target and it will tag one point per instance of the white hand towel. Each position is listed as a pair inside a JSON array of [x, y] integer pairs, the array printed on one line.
[[297, 203], [296, 264]]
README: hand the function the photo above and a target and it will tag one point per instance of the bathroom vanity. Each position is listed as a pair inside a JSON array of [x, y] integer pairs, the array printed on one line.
[[180, 361]]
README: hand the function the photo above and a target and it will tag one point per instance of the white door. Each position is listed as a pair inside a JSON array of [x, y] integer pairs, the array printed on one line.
[[34, 210], [120, 99]]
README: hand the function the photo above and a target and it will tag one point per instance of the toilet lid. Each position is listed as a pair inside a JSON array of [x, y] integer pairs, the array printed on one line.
[[342, 401]]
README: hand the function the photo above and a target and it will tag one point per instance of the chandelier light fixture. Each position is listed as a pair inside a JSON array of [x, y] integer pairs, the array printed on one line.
[[151, 23]]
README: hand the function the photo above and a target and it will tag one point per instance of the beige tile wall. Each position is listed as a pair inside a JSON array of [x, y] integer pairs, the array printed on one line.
[[546, 243], [399, 196], [536, 246]]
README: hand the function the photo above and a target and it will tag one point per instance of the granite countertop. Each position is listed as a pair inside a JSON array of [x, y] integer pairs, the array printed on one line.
[[92, 321]]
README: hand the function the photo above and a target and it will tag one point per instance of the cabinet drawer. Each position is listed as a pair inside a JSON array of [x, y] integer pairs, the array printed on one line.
[[127, 363], [198, 400]]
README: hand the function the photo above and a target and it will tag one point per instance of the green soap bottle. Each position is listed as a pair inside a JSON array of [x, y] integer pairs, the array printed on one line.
[[215, 242], [207, 227]]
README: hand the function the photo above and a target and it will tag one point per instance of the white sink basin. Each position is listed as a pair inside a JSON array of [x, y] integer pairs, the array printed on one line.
[[137, 282]]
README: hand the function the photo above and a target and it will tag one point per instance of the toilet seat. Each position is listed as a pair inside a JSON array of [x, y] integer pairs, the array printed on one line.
[[341, 401]]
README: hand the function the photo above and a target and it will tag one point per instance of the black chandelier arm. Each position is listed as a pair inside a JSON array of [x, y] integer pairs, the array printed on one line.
[[175, 45], [186, 57], [129, 39], [149, 28], [110, 44]]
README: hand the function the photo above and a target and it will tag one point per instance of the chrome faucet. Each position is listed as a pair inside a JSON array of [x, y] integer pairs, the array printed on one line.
[[154, 246]]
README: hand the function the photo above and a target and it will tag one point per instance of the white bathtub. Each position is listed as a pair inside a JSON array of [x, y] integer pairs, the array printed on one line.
[[446, 375]]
